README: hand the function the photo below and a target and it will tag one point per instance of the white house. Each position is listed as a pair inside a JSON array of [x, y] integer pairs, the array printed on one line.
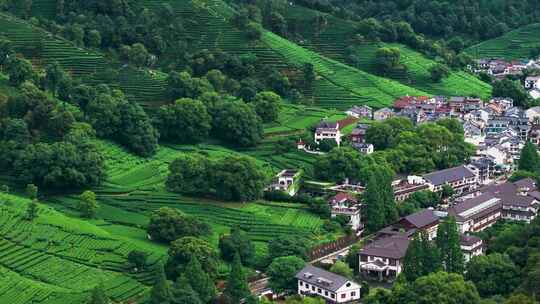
[[328, 130], [471, 246], [532, 82], [533, 113], [347, 205], [383, 257], [287, 181], [535, 94], [313, 281], [364, 148]]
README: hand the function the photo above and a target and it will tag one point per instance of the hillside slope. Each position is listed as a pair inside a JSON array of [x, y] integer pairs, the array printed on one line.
[[57, 259], [338, 86], [336, 35], [513, 45]]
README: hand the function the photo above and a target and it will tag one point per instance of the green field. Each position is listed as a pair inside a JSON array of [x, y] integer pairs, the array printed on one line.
[[513, 45], [333, 38], [58, 259], [43, 48]]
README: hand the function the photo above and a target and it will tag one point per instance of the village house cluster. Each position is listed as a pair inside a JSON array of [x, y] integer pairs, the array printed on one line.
[[500, 69], [477, 208]]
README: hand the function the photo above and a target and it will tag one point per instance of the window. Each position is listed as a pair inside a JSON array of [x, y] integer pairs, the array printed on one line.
[[343, 295], [307, 285], [319, 290], [313, 288], [353, 293], [348, 284], [326, 293], [301, 283], [333, 296]]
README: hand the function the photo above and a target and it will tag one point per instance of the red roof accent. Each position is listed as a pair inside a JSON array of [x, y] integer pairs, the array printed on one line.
[[343, 196]]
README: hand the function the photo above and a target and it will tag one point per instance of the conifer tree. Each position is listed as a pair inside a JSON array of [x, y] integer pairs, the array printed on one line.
[[412, 268], [200, 281], [183, 293], [448, 243], [32, 210], [237, 286], [529, 159], [379, 197], [374, 209], [161, 291]]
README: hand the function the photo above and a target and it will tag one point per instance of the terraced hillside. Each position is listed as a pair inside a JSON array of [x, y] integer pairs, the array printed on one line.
[[43, 48], [513, 45], [338, 86], [57, 259], [333, 36]]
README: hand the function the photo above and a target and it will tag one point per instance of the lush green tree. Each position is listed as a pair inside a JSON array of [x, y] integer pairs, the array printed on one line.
[[183, 293], [237, 242], [448, 243], [199, 280], [327, 145], [380, 135], [32, 191], [54, 75], [136, 131], [379, 197], [380, 296], [87, 204], [98, 296], [237, 123], [267, 106], [6, 50], [185, 121], [438, 72], [352, 258], [238, 178], [456, 44], [184, 249], [309, 73], [342, 269], [168, 224], [93, 39], [387, 59], [237, 286], [440, 287], [32, 210], [340, 164], [161, 290], [138, 55], [254, 31], [19, 70], [281, 273], [447, 191], [493, 274], [529, 159], [511, 89], [137, 258], [421, 259], [287, 246], [189, 174]]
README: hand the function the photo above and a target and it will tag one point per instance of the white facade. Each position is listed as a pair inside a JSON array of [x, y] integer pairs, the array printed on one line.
[[347, 293], [384, 266], [532, 83], [352, 212], [470, 251], [326, 133]]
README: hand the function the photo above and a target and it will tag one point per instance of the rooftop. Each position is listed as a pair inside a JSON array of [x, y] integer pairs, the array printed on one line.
[[321, 278], [422, 219], [448, 175], [394, 247]]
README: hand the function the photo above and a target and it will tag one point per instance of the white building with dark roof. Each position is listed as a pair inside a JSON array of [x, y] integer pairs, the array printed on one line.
[[347, 205], [328, 130], [471, 246], [287, 180], [384, 257], [460, 178], [477, 213], [313, 281]]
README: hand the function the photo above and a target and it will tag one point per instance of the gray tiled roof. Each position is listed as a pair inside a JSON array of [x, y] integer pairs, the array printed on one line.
[[469, 240], [448, 175], [422, 219], [394, 247], [313, 275]]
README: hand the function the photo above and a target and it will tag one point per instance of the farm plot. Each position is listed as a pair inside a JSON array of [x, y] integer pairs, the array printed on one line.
[[43, 48], [513, 45], [71, 255]]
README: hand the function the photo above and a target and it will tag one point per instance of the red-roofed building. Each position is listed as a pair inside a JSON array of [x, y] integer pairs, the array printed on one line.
[[346, 204]]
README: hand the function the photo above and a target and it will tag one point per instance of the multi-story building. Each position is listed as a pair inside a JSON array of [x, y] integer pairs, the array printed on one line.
[[383, 114], [313, 281], [328, 130], [404, 188], [362, 111], [358, 134], [364, 148], [471, 246], [347, 205], [477, 213], [383, 257], [460, 178]]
